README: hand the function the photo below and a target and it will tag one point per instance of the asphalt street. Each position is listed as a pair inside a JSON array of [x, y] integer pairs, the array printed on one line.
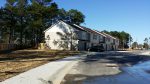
[[111, 68]]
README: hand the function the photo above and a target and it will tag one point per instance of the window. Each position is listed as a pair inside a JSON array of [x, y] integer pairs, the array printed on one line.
[[47, 37], [94, 36], [108, 39], [102, 39], [113, 41], [83, 35]]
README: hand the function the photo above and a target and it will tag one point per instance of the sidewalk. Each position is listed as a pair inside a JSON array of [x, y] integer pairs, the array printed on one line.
[[51, 73]]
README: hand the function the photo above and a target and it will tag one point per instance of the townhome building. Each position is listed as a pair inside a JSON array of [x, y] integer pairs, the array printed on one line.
[[62, 35]]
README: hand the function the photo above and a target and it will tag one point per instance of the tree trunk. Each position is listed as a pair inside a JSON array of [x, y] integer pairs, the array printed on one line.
[[10, 35], [21, 30], [11, 30]]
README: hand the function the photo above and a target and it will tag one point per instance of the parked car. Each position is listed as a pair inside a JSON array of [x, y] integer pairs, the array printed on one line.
[[97, 49]]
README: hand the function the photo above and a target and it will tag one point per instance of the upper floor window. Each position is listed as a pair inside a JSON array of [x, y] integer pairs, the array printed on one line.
[[113, 40], [84, 34], [103, 38], [94, 36], [117, 41], [100, 37], [108, 39]]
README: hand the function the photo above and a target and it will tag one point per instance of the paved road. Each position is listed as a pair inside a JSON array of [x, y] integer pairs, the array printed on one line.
[[111, 68]]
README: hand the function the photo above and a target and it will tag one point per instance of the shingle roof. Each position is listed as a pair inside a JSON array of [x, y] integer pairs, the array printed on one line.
[[108, 35], [84, 29], [73, 25], [100, 33], [52, 25], [89, 30]]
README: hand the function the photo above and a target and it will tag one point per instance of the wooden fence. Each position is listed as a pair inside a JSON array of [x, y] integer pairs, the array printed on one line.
[[7, 46]]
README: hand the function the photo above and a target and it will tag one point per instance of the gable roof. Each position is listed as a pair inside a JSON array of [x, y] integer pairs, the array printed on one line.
[[88, 30], [73, 25], [83, 29], [108, 35], [53, 25], [100, 33], [78, 26]]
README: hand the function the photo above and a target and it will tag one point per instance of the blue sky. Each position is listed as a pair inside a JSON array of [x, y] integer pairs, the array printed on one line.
[[132, 16]]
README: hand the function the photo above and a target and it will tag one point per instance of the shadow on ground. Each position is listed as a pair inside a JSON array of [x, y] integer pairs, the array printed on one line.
[[118, 57], [92, 62]]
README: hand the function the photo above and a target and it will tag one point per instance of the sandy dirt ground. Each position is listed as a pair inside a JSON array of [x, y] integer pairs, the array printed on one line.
[[16, 62]]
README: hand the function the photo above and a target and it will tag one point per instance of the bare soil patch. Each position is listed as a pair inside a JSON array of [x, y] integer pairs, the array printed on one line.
[[19, 61]]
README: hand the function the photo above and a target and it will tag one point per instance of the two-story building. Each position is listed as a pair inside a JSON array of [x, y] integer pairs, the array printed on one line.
[[62, 35]]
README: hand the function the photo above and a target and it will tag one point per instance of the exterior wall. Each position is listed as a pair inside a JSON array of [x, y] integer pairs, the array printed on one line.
[[54, 41], [84, 40], [108, 43], [83, 45], [111, 42], [117, 43], [82, 35], [102, 41], [94, 41]]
